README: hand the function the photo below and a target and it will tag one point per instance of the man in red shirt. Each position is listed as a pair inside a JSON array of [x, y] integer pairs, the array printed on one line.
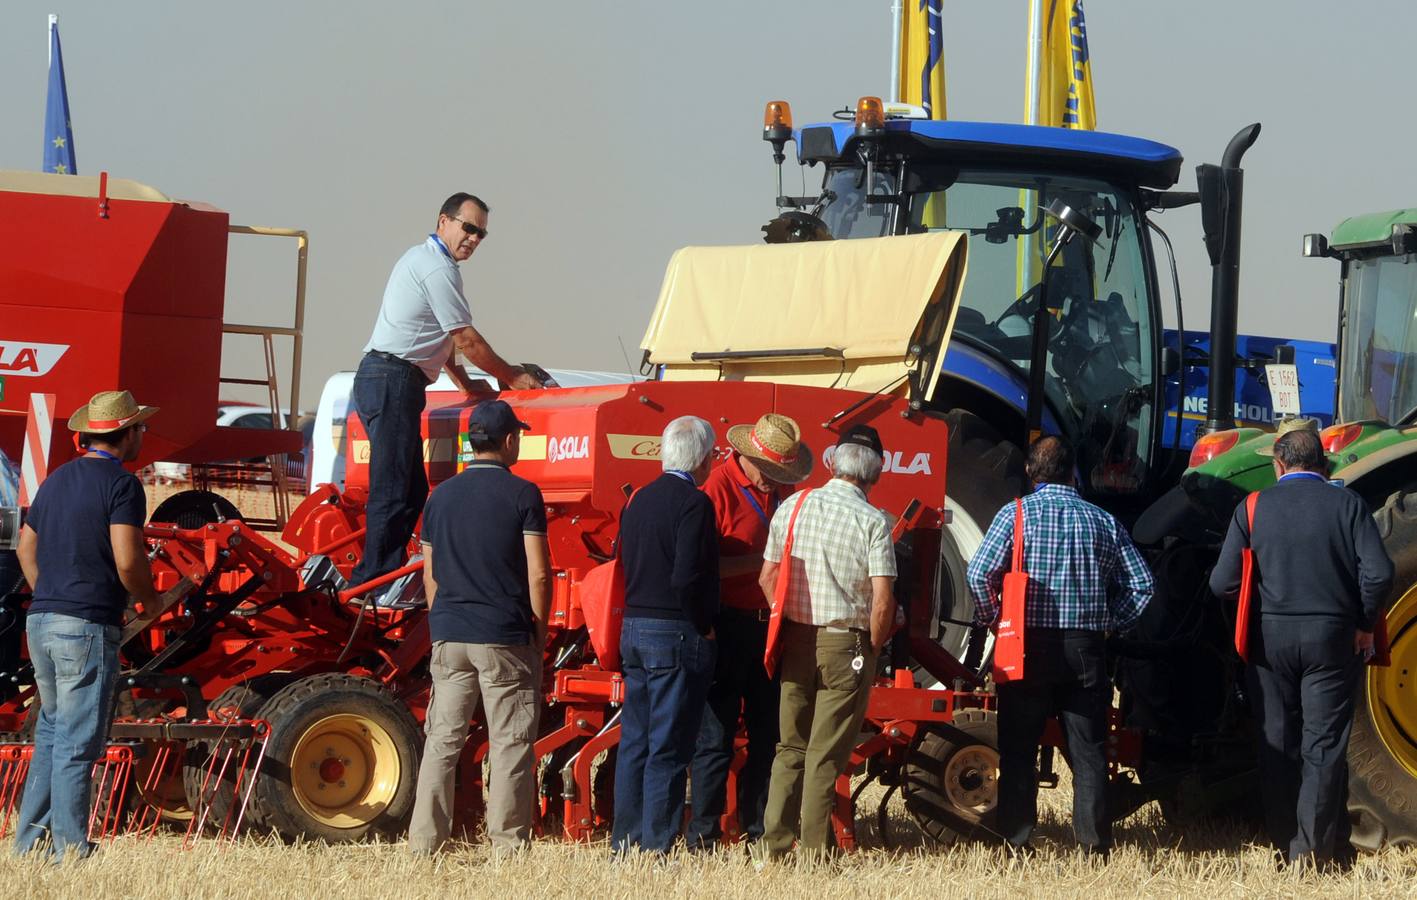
[[745, 491]]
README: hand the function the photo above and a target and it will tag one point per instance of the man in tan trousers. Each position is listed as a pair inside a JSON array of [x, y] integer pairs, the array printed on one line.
[[487, 576]]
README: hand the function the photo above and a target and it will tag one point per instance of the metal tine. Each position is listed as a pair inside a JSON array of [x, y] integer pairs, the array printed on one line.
[[98, 791], [236, 790], [13, 769], [155, 777], [262, 733], [204, 800]]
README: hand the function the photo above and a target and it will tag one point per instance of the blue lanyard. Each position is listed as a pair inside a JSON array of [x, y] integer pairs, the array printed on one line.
[[106, 455], [678, 474], [1296, 475], [757, 507], [442, 246]]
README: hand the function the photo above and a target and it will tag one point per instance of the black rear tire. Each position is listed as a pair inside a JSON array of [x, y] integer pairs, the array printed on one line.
[[193, 509], [985, 473], [238, 701], [1382, 791], [952, 781], [341, 760]]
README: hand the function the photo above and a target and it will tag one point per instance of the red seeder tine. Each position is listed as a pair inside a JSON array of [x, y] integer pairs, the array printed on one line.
[[10, 776], [125, 774], [16, 788], [98, 790], [211, 783], [251, 783], [238, 780], [155, 778]]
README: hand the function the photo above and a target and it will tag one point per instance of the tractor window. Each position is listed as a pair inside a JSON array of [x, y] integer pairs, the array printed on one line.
[[846, 211], [1378, 377], [1100, 366]]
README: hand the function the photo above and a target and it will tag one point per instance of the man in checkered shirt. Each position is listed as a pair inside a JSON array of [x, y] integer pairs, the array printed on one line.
[[838, 615], [1086, 578]]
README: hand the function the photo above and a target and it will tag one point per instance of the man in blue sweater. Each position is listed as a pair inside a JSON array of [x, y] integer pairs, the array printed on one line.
[[669, 548], [1323, 578]]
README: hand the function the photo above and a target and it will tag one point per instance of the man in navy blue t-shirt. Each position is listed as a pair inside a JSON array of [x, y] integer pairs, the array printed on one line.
[[83, 554], [487, 574]]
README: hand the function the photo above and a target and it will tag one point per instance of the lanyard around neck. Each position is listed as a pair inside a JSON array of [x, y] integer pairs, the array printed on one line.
[[106, 455]]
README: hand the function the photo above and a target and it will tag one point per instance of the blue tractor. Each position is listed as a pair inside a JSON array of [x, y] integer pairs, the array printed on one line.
[[1060, 329]]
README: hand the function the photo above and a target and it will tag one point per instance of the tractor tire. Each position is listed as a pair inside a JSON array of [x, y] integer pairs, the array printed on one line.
[[985, 473], [245, 701], [193, 509], [341, 761], [1382, 753], [951, 785]]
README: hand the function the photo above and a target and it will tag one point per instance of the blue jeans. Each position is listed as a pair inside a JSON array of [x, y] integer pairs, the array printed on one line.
[[740, 683], [389, 397], [668, 667], [76, 671]]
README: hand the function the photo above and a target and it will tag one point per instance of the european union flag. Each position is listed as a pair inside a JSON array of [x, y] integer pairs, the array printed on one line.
[[58, 135]]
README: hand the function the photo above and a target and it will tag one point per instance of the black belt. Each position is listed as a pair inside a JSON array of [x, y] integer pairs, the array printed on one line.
[[756, 615], [396, 359]]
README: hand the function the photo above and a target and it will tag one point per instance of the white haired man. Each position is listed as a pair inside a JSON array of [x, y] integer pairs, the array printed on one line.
[[838, 616], [669, 549]]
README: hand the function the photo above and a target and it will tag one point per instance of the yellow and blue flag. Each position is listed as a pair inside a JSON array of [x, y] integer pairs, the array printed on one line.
[[1065, 100], [58, 133], [922, 57]]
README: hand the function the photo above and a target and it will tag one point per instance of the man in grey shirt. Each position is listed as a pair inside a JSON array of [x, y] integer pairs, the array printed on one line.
[[423, 320]]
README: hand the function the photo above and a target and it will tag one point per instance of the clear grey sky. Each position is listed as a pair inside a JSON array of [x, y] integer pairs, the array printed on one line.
[[605, 135]]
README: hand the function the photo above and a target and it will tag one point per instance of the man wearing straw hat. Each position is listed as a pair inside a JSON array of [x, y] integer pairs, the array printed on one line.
[[82, 552], [745, 491], [1323, 578]]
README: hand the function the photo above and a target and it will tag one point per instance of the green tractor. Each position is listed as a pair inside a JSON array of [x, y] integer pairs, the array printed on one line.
[[1372, 447]]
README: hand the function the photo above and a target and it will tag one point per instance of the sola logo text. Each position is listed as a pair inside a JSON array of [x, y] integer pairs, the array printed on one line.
[[892, 461], [572, 447]]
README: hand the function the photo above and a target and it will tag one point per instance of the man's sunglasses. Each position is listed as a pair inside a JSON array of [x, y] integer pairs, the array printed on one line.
[[470, 228]]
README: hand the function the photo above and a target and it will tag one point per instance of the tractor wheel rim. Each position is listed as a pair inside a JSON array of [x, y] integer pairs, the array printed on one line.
[[1392, 690], [164, 792], [972, 779], [345, 770]]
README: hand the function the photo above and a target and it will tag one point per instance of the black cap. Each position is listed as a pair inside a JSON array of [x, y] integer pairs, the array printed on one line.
[[494, 419], [864, 435]]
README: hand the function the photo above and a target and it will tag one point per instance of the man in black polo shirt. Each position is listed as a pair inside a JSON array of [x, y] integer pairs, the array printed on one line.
[[487, 574], [83, 553]]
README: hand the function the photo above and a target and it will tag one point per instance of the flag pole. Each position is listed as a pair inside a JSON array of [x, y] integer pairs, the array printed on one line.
[[53, 21], [897, 11], [1035, 61]]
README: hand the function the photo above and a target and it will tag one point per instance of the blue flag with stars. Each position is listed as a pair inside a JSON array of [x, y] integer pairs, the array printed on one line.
[[58, 134]]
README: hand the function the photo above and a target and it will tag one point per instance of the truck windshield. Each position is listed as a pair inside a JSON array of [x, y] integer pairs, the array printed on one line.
[[1378, 359], [1099, 377]]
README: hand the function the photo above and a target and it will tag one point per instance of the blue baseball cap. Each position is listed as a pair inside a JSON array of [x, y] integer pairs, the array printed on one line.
[[494, 419]]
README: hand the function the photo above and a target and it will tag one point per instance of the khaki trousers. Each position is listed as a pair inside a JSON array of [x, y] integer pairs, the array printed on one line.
[[507, 679], [823, 705]]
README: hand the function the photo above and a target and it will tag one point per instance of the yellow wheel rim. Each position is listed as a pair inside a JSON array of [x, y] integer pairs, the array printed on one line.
[[1392, 691], [166, 794], [972, 779], [345, 770]]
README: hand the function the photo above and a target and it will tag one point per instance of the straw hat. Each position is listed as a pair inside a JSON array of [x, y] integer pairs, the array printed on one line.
[[774, 444], [109, 411], [1299, 423]]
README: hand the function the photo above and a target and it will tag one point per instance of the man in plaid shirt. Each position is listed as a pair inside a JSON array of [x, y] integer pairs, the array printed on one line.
[[839, 612], [1085, 578]]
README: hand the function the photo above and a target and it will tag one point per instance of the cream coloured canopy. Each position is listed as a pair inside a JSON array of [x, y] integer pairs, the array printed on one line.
[[861, 314]]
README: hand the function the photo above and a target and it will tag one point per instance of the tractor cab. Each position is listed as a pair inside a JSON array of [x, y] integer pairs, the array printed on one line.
[[1102, 386], [1378, 339]]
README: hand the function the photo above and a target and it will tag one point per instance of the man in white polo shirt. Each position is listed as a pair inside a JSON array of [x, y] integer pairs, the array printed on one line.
[[423, 320]]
